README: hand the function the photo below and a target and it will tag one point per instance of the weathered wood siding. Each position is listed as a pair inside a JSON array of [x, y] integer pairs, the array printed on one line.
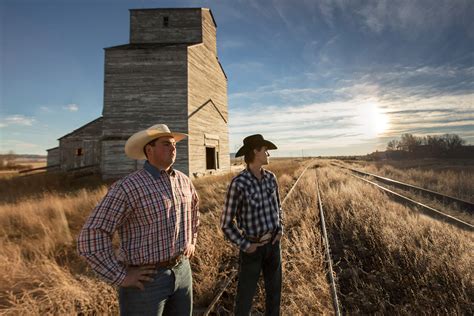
[[209, 31], [147, 26], [144, 85], [114, 163], [207, 102], [87, 140], [53, 157]]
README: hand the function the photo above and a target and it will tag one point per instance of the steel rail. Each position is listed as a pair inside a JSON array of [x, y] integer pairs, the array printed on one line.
[[229, 279], [427, 209], [464, 205], [337, 310]]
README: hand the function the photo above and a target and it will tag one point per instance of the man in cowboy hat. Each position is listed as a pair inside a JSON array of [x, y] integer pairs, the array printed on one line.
[[252, 220], [155, 212]]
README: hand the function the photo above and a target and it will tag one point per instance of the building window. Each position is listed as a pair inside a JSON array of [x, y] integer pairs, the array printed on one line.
[[166, 21], [79, 152], [211, 162]]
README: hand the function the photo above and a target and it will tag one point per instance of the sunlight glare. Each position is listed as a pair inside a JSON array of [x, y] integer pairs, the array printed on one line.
[[373, 120]]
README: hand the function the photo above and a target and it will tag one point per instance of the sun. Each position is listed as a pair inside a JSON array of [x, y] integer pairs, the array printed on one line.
[[373, 121]]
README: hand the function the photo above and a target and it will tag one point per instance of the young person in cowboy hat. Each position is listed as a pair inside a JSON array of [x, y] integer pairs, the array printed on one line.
[[252, 220], [155, 212]]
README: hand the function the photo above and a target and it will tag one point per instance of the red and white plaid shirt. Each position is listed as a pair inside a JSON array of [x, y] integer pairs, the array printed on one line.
[[155, 214]]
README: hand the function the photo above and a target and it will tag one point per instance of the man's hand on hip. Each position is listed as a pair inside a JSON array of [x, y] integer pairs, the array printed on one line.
[[276, 238], [136, 276], [253, 247], [189, 251]]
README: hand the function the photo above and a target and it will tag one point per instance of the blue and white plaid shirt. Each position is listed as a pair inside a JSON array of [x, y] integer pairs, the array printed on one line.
[[254, 204]]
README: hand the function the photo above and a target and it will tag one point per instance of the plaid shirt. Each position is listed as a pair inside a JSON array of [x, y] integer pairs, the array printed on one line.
[[156, 217], [255, 204]]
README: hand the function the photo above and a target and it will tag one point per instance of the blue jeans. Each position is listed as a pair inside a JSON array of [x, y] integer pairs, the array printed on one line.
[[170, 293], [266, 258]]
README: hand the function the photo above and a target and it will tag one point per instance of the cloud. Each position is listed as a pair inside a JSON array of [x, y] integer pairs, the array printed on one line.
[[230, 44], [316, 118], [248, 66], [416, 81], [409, 17], [18, 120], [71, 107], [45, 109]]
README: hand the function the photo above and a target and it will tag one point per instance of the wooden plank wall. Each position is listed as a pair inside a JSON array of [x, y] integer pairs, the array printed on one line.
[[144, 86], [154, 81], [184, 26], [53, 157], [206, 81], [115, 164], [88, 139]]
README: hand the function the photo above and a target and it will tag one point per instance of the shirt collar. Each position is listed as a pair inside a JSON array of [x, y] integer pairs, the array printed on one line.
[[155, 172], [251, 175]]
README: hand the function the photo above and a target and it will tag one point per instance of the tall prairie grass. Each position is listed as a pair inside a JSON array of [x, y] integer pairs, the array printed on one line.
[[388, 259], [305, 287], [449, 177], [42, 272], [40, 217], [215, 256], [391, 260]]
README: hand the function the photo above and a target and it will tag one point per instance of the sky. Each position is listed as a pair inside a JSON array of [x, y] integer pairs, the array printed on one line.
[[323, 77]]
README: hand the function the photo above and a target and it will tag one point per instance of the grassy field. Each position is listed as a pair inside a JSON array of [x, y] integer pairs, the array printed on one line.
[[388, 259], [451, 176], [391, 260]]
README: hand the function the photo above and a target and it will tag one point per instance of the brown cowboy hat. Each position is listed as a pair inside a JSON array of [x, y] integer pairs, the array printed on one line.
[[252, 142], [135, 144]]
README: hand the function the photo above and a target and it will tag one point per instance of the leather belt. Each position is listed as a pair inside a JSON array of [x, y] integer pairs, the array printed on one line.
[[262, 239], [173, 262], [168, 264]]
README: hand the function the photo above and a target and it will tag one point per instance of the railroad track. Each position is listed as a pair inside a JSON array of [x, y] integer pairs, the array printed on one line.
[[228, 281], [327, 251], [428, 210]]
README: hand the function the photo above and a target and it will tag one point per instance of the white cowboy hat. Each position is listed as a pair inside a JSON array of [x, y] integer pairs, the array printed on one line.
[[135, 144]]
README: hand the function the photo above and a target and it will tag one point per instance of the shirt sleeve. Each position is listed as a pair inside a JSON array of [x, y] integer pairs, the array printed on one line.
[[233, 204], [95, 239], [194, 213], [280, 210]]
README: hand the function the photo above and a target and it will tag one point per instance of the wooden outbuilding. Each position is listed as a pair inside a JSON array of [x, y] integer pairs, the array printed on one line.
[[169, 73]]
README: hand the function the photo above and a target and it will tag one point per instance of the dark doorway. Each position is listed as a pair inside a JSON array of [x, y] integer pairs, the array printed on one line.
[[211, 158]]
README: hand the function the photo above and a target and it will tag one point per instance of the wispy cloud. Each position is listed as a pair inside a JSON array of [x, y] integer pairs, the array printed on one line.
[[231, 44], [45, 109], [409, 17], [71, 107], [18, 120], [352, 113], [248, 66]]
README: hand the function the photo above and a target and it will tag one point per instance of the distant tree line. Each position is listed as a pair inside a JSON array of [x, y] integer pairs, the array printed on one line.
[[447, 145], [7, 161]]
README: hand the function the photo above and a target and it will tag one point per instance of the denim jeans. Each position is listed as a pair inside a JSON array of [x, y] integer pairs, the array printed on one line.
[[266, 258], [170, 293]]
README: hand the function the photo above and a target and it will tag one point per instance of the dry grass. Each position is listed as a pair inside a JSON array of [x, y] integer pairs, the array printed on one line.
[[18, 188], [41, 215], [388, 259], [451, 177], [214, 255], [305, 288], [42, 272], [392, 260]]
